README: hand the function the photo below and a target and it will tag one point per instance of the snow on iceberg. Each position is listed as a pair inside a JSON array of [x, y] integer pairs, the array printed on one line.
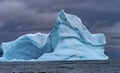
[[68, 40]]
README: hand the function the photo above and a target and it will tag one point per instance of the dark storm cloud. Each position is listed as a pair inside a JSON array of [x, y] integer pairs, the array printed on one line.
[[94, 13], [15, 15], [96, 5], [24, 14]]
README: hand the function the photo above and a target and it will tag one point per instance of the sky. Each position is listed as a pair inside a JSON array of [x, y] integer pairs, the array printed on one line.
[[18, 17]]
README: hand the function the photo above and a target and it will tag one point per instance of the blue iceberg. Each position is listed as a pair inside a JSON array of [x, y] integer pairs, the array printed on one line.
[[68, 40]]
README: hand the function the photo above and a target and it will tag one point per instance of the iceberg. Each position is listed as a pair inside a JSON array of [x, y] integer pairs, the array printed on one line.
[[68, 40]]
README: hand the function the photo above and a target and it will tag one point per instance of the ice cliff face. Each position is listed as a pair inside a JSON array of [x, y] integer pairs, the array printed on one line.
[[68, 40]]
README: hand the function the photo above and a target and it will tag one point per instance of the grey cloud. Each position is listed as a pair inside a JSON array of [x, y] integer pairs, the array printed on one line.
[[98, 5], [26, 13], [112, 29], [17, 15]]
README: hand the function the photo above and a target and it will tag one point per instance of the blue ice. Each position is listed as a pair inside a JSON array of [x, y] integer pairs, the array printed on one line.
[[68, 40]]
